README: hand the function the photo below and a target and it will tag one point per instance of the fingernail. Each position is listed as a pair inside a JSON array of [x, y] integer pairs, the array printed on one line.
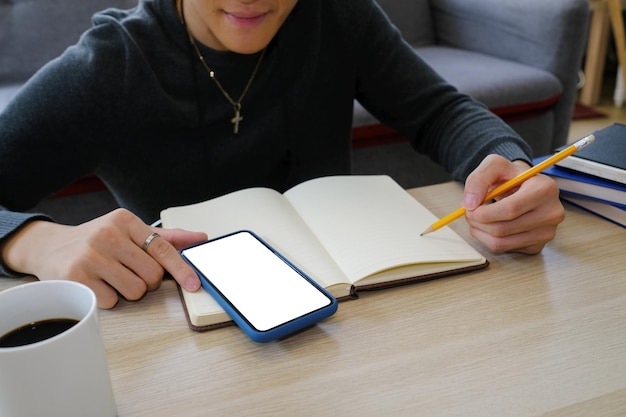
[[192, 284], [471, 201]]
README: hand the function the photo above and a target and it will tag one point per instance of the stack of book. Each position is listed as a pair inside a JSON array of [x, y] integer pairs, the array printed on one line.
[[595, 177]]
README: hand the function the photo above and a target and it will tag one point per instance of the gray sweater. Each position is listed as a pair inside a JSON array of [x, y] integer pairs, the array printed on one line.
[[132, 103]]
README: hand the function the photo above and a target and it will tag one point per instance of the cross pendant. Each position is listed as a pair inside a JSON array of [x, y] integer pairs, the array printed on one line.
[[237, 118]]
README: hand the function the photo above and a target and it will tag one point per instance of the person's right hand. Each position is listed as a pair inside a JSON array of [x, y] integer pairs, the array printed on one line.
[[523, 220], [105, 254]]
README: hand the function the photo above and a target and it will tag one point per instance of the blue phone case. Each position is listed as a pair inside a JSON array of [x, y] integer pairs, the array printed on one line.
[[281, 330]]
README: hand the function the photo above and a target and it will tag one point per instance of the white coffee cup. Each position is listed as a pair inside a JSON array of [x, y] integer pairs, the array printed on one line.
[[65, 375]]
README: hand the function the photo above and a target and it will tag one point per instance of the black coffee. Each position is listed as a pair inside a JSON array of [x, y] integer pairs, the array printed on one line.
[[35, 332]]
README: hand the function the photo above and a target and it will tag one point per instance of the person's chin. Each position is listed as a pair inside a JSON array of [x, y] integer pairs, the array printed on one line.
[[248, 44]]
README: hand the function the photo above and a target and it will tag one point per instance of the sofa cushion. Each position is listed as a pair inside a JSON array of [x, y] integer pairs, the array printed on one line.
[[412, 18], [499, 84], [507, 88], [7, 92]]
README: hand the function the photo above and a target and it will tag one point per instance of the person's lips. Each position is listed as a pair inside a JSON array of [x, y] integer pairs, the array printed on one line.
[[246, 19]]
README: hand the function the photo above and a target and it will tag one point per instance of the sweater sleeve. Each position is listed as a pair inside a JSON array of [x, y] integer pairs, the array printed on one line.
[[403, 92], [28, 171], [50, 134], [10, 222]]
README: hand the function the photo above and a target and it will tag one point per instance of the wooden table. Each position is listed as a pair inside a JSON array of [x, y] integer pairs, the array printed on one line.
[[532, 335]]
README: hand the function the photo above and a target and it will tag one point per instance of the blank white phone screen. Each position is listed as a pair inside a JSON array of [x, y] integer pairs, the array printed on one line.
[[260, 285]]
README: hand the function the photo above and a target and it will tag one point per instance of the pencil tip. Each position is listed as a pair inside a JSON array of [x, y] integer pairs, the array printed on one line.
[[427, 231]]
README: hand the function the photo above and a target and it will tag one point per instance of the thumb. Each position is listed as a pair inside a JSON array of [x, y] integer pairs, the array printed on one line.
[[485, 177], [471, 201]]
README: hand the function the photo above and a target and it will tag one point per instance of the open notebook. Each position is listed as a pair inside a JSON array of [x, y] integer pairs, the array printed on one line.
[[348, 233]]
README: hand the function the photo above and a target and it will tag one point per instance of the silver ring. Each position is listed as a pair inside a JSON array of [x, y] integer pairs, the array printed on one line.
[[148, 240]]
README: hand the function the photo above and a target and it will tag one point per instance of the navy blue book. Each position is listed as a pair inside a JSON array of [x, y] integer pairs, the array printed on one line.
[[605, 158], [586, 185], [615, 213]]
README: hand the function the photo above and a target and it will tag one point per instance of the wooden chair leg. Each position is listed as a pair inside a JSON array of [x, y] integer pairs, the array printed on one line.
[[617, 23]]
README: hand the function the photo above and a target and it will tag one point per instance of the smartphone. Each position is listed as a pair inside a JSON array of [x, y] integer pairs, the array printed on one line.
[[264, 293]]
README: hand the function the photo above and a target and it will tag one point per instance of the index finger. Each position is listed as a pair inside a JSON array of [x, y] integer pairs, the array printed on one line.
[[167, 256]]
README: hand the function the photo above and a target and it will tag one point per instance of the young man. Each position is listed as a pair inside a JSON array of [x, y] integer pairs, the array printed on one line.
[[176, 102]]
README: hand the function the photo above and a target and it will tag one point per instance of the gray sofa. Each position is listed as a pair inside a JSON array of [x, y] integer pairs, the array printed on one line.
[[520, 58]]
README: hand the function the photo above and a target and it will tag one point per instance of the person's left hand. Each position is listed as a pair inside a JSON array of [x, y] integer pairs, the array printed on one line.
[[523, 220]]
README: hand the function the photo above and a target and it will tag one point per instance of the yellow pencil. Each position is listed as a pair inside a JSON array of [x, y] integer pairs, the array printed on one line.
[[514, 182]]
